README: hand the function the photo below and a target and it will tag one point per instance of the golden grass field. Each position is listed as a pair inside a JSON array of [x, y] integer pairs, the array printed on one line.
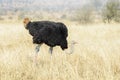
[[96, 56]]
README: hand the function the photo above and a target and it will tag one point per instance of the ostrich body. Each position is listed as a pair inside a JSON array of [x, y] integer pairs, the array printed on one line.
[[48, 32]]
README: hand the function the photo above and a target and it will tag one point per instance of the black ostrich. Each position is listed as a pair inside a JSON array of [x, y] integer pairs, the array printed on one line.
[[48, 32]]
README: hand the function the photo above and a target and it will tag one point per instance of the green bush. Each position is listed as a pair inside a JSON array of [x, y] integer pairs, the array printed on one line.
[[111, 11]]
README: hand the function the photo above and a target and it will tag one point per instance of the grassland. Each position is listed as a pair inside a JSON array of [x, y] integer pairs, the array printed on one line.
[[95, 57]]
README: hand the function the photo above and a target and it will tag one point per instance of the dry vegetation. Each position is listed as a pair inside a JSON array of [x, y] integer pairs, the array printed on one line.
[[96, 56]]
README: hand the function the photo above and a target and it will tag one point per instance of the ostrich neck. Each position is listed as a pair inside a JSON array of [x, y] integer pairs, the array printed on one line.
[[72, 48]]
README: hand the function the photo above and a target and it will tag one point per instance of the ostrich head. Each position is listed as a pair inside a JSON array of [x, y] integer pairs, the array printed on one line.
[[26, 21]]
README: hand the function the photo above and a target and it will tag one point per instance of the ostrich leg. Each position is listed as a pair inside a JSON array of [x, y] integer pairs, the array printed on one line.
[[51, 50], [37, 48]]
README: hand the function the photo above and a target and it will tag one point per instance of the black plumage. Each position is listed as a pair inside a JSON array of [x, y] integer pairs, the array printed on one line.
[[48, 32]]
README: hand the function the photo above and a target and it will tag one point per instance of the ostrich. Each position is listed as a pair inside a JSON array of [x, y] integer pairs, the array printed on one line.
[[48, 32]]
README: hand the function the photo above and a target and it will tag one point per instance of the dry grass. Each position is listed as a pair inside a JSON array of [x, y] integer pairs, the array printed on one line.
[[96, 56]]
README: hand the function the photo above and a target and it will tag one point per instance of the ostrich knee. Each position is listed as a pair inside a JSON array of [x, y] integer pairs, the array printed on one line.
[[51, 50], [37, 48]]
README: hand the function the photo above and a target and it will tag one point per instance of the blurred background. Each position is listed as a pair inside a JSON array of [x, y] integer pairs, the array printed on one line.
[[96, 54], [79, 11]]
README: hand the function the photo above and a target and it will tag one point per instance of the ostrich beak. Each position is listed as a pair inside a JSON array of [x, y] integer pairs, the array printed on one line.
[[74, 42]]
